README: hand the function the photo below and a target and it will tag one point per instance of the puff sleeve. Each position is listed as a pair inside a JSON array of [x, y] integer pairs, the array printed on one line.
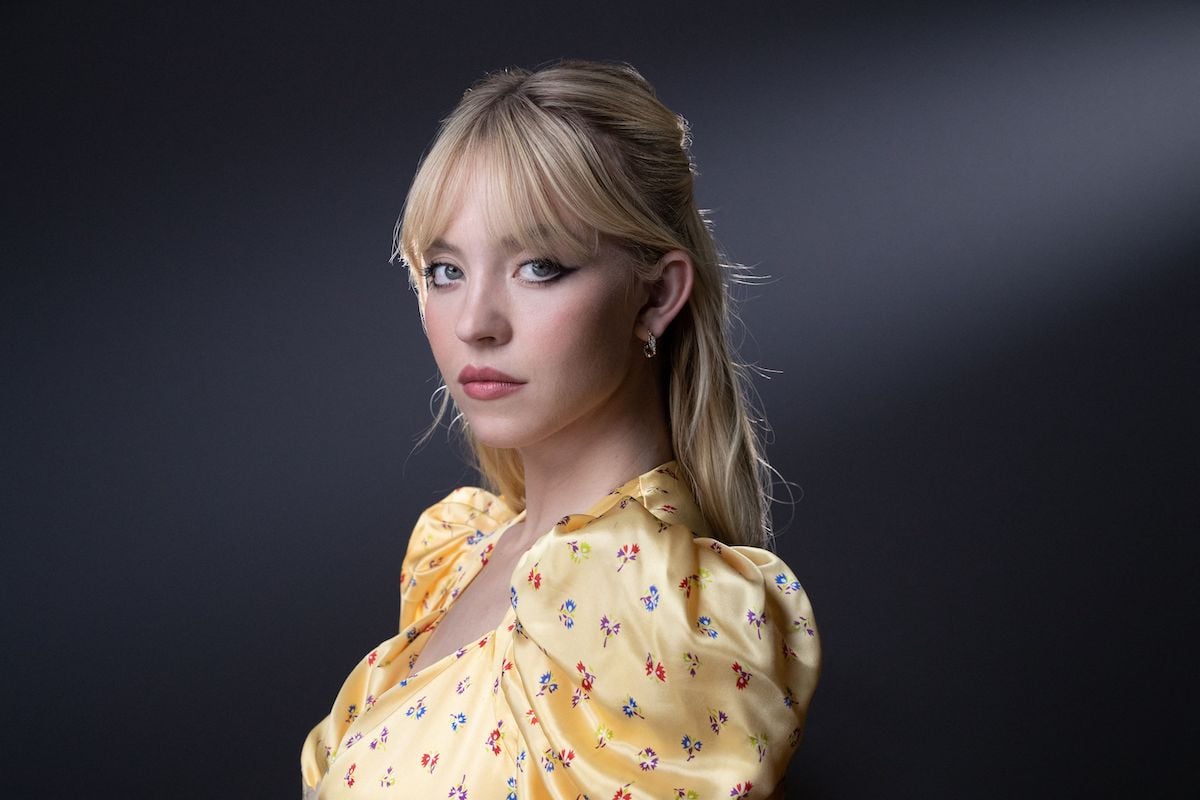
[[647, 662], [446, 547]]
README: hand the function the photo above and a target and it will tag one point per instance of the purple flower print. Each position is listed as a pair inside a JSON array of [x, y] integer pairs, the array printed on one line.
[[757, 620], [648, 759], [609, 628], [380, 741], [459, 792]]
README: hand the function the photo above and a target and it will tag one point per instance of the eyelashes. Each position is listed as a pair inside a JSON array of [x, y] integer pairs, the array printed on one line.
[[440, 274], [535, 272], [542, 270]]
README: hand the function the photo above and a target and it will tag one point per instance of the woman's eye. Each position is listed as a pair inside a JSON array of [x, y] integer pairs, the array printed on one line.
[[540, 270], [442, 274]]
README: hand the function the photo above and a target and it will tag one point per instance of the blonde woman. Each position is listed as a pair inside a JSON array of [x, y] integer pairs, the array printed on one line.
[[604, 621]]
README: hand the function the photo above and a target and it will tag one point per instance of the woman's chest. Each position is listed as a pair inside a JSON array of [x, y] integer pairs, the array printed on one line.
[[478, 610], [431, 736]]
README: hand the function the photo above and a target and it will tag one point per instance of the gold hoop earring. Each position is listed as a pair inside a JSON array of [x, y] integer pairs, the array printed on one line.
[[650, 348]]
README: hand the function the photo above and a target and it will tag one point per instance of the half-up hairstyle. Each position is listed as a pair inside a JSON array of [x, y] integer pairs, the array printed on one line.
[[572, 152]]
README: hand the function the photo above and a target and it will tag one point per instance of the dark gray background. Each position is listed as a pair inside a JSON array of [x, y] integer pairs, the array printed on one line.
[[981, 225]]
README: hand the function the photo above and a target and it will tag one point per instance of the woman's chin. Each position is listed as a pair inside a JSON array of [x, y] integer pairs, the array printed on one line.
[[498, 435]]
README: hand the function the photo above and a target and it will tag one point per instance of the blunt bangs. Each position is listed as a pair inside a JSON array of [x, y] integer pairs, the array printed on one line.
[[538, 176]]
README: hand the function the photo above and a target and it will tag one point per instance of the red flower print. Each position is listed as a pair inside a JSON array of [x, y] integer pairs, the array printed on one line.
[[371, 659], [535, 577], [655, 669], [349, 778], [627, 553], [623, 793], [743, 678], [493, 739], [741, 791], [487, 552], [667, 507], [429, 761], [588, 678]]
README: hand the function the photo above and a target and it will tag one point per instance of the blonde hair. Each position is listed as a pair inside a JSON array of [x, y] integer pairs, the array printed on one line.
[[573, 152]]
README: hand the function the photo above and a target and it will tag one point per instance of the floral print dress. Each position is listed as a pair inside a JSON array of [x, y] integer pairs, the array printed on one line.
[[638, 659]]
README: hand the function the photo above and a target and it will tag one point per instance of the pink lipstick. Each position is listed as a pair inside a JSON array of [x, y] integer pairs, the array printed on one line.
[[485, 383]]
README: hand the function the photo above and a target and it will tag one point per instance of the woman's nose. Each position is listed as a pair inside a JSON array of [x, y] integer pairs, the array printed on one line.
[[483, 317]]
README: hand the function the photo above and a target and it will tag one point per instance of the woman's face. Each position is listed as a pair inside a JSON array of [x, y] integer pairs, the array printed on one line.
[[537, 352]]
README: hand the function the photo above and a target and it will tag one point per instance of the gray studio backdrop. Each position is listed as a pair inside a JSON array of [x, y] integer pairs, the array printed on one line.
[[979, 224]]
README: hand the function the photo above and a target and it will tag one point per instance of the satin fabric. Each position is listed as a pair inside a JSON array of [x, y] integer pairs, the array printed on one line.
[[638, 658]]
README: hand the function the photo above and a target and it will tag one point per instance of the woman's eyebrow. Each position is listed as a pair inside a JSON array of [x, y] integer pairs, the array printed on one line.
[[443, 245]]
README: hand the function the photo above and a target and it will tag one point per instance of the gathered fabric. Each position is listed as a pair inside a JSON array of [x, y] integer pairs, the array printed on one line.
[[638, 658]]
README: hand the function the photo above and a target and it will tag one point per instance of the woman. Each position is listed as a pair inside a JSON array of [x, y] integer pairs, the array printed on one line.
[[564, 638]]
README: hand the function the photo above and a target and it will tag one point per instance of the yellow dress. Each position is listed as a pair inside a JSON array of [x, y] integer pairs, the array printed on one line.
[[637, 659]]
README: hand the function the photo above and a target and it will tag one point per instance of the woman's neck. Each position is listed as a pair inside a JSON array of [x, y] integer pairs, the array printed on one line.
[[562, 480]]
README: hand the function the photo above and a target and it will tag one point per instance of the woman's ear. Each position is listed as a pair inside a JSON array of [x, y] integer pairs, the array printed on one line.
[[668, 295]]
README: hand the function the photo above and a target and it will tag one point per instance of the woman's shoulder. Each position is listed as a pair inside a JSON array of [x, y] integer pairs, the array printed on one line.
[[693, 650], [637, 565], [444, 533]]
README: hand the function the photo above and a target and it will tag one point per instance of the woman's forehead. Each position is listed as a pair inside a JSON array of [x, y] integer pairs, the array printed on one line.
[[515, 216]]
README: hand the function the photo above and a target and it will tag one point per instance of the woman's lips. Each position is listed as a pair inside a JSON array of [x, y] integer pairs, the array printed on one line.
[[485, 383]]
